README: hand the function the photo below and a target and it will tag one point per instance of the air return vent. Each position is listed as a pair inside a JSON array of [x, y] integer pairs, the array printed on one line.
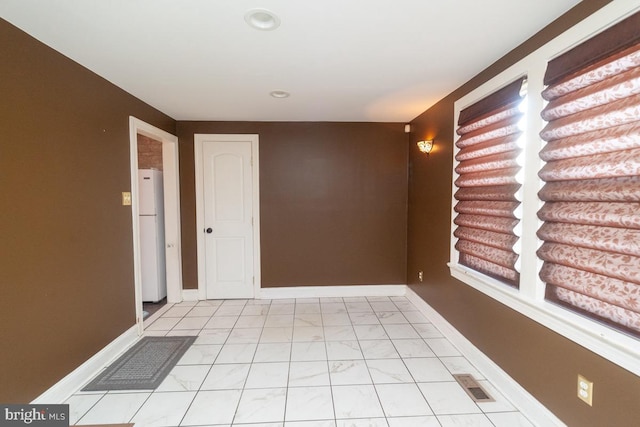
[[473, 388]]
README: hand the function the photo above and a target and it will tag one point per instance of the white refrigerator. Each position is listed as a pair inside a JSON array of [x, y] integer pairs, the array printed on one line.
[[152, 247]]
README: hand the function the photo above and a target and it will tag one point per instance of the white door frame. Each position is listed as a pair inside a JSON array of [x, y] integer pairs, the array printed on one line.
[[171, 182], [198, 140]]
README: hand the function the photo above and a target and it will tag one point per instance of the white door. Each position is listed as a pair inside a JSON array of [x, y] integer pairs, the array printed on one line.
[[227, 176]]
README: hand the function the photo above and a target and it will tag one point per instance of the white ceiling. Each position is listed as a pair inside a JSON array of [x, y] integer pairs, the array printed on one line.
[[341, 60]]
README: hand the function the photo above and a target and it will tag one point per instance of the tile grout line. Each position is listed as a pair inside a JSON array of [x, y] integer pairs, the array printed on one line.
[[415, 382], [286, 396], [235, 412], [333, 400], [371, 376], [205, 377]]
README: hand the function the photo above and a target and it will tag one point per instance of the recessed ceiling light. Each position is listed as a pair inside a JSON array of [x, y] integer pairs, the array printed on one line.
[[280, 94], [262, 19]]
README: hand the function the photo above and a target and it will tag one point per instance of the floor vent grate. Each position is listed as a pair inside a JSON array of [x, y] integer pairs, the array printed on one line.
[[473, 388]]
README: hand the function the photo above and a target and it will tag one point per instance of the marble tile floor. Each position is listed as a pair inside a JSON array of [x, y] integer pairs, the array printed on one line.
[[313, 362]]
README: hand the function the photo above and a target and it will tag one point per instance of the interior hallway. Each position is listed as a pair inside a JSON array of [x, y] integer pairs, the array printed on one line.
[[313, 362]]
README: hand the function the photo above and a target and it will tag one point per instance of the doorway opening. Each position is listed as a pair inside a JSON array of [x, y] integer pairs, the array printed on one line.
[[159, 150], [152, 238]]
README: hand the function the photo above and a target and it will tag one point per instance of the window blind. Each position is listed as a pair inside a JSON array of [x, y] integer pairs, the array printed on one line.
[[591, 211], [487, 217]]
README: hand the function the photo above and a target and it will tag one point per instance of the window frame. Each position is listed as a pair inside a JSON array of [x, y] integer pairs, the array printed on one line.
[[522, 136], [529, 300]]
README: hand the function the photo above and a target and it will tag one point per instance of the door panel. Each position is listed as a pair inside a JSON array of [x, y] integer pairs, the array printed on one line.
[[228, 212], [229, 187], [230, 257]]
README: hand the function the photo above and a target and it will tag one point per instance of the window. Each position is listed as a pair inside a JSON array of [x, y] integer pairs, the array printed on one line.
[[487, 221], [591, 214], [574, 251]]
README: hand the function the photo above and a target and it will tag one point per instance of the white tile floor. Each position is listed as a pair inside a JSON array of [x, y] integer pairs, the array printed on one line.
[[313, 362]]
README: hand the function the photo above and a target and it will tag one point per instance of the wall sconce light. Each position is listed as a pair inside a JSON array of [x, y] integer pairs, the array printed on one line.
[[425, 146]]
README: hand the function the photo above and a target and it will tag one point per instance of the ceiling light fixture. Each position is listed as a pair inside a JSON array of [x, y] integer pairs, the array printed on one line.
[[262, 19], [279, 94]]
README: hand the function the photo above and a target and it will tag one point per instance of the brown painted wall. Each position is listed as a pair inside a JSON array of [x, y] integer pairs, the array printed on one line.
[[333, 201], [543, 362], [66, 269]]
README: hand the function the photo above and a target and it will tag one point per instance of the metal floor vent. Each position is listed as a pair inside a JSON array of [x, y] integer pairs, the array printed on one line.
[[473, 389]]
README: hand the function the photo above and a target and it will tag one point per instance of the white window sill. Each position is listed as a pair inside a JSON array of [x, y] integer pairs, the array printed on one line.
[[615, 346]]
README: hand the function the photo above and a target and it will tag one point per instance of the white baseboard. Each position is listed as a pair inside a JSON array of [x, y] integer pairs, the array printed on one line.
[[521, 399], [332, 291], [190, 295], [64, 388]]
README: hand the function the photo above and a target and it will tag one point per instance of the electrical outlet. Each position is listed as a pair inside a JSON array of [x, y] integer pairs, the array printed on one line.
[[126, 198], [420, 275], [585, 390]]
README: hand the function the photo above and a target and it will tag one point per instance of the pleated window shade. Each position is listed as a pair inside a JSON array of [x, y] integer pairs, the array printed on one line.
[[487, 217], [591, 214]]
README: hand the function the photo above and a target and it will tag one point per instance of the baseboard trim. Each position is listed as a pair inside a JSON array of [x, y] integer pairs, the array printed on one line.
[[71, 383], [525, 402], [332, 291]]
